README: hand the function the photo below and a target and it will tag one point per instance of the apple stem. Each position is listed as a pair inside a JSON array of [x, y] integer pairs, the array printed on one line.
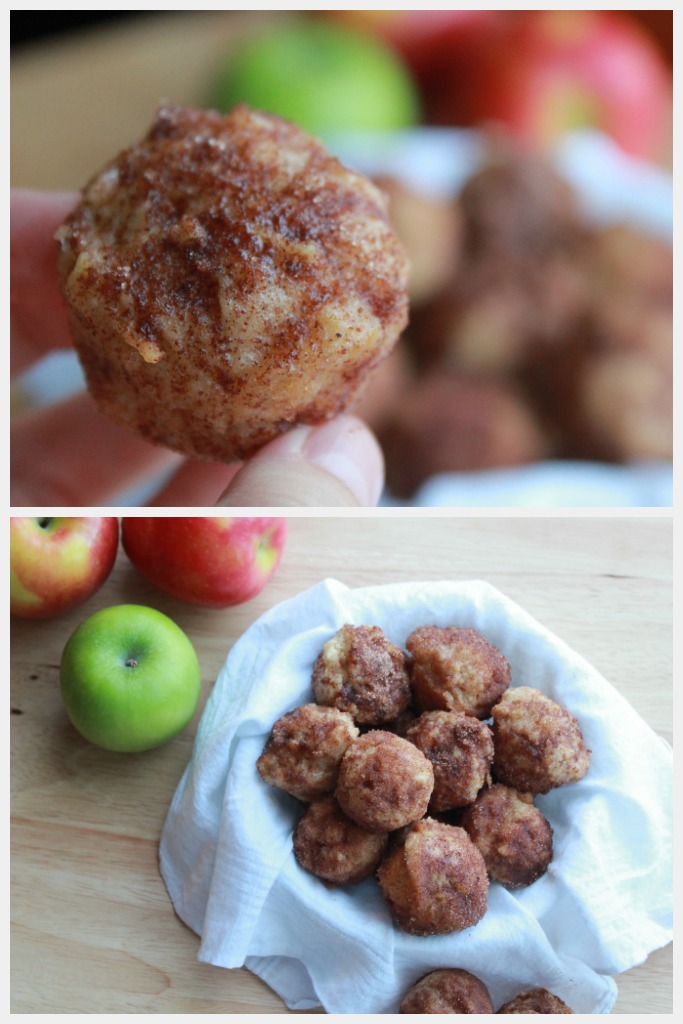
[[131, 663]]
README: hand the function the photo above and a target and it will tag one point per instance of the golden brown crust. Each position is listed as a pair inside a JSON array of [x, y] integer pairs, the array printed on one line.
[[435, 883], [227, 278], [536, 1000], [456, 670], [538, 744], [384, 782], [361, 671], [334, 848], [460, 748], [304, 750], [450, 990], [513, 836]]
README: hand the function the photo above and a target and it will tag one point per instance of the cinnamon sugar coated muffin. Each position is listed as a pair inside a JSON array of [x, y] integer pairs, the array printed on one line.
[[450, 990], [536, 1000], [226, 278], [456, 670], [460, 748], [360, 671], [304, 750], [449, 422], [435, 882], [538, 744], [334, 848], [384, 782], [513, 836]]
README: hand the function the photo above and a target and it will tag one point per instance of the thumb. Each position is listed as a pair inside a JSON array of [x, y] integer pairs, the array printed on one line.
[[337, 464]]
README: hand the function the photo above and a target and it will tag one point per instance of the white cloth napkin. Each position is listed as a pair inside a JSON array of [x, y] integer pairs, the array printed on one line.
[[226, 849]]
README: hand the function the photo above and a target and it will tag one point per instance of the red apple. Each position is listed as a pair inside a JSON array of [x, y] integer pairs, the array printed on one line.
[[423, 38], [542, 73], [211, 561], [56, 562]]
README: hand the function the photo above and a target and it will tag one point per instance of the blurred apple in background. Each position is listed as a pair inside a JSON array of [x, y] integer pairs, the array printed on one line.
[[210, 561], [58, 561], [323, 76], [543, 73], [423, 38], [129, 678], [539, 74]]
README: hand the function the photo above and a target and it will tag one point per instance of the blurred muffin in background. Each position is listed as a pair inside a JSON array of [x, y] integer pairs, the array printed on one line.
[[430, 231], [448, 423], [533, 335]]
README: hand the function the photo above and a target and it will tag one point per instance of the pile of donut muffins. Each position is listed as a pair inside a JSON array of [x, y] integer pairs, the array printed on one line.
[[421, 767]]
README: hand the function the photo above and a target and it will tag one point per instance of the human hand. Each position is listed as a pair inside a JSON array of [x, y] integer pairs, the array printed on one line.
[[69, 454]]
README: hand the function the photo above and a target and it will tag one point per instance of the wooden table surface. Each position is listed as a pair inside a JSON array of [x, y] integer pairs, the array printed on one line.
[[93, 929]]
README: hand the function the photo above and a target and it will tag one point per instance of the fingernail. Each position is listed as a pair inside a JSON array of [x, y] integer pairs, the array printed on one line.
[[347, 449]]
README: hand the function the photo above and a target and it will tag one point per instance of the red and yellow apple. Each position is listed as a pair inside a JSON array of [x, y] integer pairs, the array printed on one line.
[[56, 562], [210, 561], [543, 73]]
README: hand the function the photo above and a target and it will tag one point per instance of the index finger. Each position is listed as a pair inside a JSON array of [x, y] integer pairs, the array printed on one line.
[[38, 315]]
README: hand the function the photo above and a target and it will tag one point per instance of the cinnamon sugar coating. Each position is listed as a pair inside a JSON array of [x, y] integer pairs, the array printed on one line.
[[456, 670], [384, 782], [538, 744], [513, 836], [226, 278], [460, 748], [535, 1000], [334, 848], [435, 883], [304, 750], [360, 671], [449, 990]]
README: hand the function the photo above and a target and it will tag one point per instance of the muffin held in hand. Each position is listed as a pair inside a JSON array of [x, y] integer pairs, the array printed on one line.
[[435, 882], [226, 278], [304, 750], [538, 744], [450, 990], [535, 1000], [360, 671], [334, 848], [384, 782], [513, 836], [456, 670]]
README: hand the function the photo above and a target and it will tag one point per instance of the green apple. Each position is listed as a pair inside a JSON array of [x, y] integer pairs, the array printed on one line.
[[325, 77], [130, 678]]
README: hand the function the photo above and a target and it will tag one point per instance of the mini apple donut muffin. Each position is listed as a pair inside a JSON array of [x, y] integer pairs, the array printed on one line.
[[538, 744], [513, 836], [460, 748], [535, 1000], [226, 278], [435, 883], [449, 990], [360, 671], [384, 781], [304, 750], [334, 848], [456, 670]]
